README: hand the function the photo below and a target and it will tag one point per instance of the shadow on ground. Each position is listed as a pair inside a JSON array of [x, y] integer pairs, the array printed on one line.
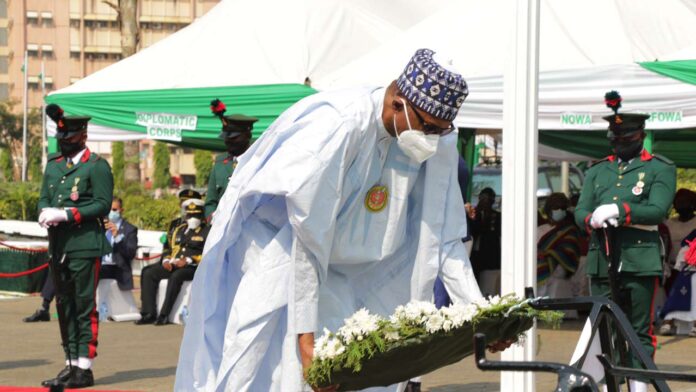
[[23, 363], [137, 374]]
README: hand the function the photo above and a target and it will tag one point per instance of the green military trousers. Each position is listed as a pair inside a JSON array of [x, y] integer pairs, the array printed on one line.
[[641, 308], [82, 319]]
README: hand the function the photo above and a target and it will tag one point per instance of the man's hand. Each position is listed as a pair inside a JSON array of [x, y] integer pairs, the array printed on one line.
[[470, 210], [602, 214], [501, 345], [167, 265], [111, 226], [306, 346], [52, 216], [180, 263]]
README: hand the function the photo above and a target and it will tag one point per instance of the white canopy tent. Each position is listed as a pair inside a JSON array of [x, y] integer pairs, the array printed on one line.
[[246, 43], [586, 48]]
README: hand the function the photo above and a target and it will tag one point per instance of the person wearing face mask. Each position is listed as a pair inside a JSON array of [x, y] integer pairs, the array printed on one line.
[[484, 223], [558, 249], [180, 259], [76, 193], [348, 200], [123, 237], [236, 132], [630, 190]]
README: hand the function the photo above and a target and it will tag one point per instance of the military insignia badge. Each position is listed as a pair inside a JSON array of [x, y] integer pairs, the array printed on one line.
[[74, 194], [640, 183], [376, 198], [637, 190]]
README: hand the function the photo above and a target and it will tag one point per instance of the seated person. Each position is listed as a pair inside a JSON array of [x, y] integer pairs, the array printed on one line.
[[123, 237], [180, 257], [558, 249], [680, 304]]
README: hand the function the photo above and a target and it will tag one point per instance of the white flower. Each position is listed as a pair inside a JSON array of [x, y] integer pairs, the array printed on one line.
[[359, 325], [392, 335], [434, 322], [328, 346], [494, 300], [415, 312], [459, 314]]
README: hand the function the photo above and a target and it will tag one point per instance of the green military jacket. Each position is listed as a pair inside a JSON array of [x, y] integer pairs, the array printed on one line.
[[217, 183], [643, 192], [85, 191]]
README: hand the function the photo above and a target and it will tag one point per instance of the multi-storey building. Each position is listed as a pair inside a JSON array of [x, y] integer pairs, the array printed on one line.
[[74, 38]]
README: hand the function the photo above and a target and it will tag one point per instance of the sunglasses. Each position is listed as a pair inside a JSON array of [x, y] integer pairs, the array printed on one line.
[[430, 129]]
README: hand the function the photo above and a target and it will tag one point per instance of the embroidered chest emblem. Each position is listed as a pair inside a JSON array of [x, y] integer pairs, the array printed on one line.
[[376, 198]]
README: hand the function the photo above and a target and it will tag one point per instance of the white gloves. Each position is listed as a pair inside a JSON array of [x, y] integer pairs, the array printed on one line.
[[52, 217], [606, 213]]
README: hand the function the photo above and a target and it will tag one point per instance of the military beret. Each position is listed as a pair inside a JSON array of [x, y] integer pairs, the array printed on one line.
[[232, 125], [622, 123], [66, 126]]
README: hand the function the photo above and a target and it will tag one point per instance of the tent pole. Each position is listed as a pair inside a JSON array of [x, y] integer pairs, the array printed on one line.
[[519, 203], [565, 174]]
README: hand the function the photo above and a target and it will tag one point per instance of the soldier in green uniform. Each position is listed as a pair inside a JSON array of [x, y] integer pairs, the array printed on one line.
[[631, 190], [76, 195], [236, 131]]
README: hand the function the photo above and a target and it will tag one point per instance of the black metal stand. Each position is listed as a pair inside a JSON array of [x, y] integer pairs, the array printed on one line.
[[570, 379]]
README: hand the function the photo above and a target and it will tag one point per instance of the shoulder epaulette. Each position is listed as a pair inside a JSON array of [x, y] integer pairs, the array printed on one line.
[[598, 161], [54, 156], [663, 159], [220, 158]]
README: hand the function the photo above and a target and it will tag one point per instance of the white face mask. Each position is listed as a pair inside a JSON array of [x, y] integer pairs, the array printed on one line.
[[193, 223], [558, 215], [414, 143]]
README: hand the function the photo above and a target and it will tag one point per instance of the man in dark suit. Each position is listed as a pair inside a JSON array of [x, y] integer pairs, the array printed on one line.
[[123, 237]]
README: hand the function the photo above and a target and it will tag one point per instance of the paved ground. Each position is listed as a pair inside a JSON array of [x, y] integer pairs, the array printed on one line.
[[143, 358]]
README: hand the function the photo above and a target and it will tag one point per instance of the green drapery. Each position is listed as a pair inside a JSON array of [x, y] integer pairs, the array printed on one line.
[[677, 145], [682, 70], [118, 109]]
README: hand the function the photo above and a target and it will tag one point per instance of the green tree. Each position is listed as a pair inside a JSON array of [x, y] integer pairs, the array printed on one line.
[[162, 177], [118, 164], [34, 169], [6, 166], [203, 161]]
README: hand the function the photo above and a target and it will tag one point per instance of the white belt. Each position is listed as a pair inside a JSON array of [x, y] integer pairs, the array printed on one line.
[[644, 227]]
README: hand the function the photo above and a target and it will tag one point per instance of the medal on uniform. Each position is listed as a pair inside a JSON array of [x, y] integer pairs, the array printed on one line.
[[376, 198], [74, 195], [640, 183], [637, 190]]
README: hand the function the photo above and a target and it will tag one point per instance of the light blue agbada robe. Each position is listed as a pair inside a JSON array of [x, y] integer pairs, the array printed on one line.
[[293, 247]]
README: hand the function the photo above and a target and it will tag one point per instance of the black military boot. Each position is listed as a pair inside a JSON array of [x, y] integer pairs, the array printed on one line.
[[80, 378], [146, 319], [61, 378], [39, 315], [162, 320]]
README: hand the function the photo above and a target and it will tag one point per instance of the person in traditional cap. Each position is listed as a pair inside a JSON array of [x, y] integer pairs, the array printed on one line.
[[630, 190], [348, 200], [236, 132], [180, 258], [76, 195]]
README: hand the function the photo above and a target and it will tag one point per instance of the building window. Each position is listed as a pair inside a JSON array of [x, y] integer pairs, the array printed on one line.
[[32, 18], [32, 49], [3, 36], [4, 91], [4, 64], [3, 10], [47, 19], [47, 51]]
